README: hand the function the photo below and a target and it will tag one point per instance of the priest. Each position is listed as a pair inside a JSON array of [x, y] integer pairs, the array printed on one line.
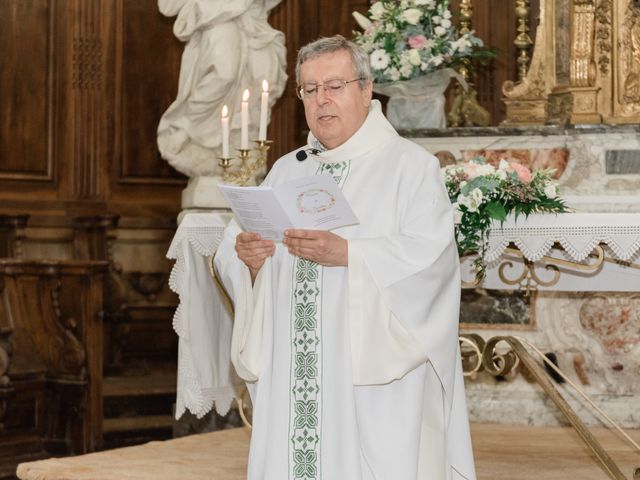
[[348, 340]]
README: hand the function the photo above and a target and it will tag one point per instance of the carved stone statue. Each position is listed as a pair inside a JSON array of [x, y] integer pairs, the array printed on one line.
[[230, 46]]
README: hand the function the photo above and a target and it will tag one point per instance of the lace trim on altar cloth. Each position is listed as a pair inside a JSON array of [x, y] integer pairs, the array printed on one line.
[[204, 241], [198, 234], [578, 234], [190, 394]]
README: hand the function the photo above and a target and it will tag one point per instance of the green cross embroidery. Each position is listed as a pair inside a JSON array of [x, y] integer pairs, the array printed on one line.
[[304, 410]]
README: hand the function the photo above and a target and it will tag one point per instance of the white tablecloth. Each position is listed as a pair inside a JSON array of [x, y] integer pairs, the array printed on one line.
[[202, 321], [578, 234]]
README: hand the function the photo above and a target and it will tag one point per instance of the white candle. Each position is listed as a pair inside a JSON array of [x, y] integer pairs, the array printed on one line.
[[225, 131], [244, 121], [264, 110]]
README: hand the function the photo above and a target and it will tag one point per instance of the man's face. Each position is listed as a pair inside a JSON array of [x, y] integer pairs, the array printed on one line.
[[334, 118]]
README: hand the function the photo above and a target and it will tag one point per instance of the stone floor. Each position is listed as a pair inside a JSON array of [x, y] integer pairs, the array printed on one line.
[[502, 453]]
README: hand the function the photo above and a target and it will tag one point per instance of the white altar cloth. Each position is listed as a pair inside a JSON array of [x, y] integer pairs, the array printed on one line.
[[204, 325], [578, 234], [202, 321]]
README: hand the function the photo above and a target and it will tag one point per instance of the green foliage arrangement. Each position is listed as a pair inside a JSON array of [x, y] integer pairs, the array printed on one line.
[[481, 194]]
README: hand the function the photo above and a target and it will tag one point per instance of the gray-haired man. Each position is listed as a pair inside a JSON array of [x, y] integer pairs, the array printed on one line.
[[348, 339]]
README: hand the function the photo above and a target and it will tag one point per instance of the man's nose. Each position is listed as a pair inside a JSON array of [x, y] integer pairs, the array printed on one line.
[[322, 97]]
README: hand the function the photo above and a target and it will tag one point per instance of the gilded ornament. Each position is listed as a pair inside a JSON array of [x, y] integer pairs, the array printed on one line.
[[603, 34], [630, 56]]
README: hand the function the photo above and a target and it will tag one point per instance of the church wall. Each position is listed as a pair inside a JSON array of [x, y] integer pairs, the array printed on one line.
[[82, 87]]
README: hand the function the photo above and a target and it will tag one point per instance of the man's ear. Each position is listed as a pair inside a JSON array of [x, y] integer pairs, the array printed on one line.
[[367, 93]]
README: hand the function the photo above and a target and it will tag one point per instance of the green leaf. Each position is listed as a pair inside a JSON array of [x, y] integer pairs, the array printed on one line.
[[496, 211], [486, 184]]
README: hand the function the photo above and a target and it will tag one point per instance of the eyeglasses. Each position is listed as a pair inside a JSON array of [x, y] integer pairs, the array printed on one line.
[[332, 88]]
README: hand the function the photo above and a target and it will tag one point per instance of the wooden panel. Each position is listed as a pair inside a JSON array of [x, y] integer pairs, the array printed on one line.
[[25, 90], [87, 84], [55, 309], [147, 70], [498, 32]]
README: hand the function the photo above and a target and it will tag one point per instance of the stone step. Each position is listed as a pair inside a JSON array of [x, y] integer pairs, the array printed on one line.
[[137, 409], [128, 431], [131, 424], [156, 384]]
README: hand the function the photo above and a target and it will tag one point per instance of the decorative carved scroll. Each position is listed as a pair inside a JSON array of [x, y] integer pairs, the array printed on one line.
[[630, 59], [66, 351], [603, 34]]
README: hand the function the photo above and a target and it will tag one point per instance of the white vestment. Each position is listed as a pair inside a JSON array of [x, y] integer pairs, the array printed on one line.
[[355, 372]]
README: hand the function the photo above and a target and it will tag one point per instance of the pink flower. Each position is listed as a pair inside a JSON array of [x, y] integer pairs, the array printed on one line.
[[523, 172], [474, 170], [471, 170], [417, 41]]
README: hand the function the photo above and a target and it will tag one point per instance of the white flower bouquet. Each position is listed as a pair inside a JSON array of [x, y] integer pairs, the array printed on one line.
[[406, 39], [481, 193]]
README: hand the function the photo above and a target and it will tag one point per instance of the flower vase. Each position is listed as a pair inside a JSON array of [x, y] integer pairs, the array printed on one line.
[[418, 103]]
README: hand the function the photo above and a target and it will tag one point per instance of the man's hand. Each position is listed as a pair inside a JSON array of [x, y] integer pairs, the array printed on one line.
[[322, 247], [253, 251]]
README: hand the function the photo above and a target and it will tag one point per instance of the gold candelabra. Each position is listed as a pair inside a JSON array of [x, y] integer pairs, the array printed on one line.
[[247, 169], [465, 109], [523, 41], [466, 13]]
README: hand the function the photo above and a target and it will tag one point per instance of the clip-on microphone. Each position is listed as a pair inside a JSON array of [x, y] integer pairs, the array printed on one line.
[[304, 153]]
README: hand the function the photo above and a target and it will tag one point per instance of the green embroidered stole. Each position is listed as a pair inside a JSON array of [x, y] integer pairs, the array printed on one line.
[[305, 422]]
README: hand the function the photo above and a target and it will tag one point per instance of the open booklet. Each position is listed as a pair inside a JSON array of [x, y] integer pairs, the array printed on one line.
[[314, 203]]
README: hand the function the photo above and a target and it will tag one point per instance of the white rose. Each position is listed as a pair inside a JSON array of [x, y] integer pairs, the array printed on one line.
[[436, 60], [445, 23], [377, 10], [394, 74], [405, 69], [446, 14], [440, 31], [436, 19], [379, 59], [414, 57], [485, 169], [550, 191], [473, 201], [477, 196], [411, 15]]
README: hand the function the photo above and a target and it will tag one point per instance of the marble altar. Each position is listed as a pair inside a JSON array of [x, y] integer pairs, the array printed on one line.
[[595, 335]]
